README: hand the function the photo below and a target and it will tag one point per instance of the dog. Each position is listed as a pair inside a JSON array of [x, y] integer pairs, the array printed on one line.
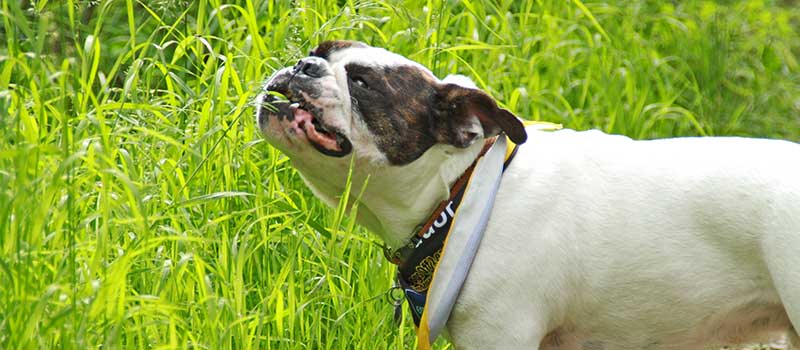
[[594, 241]]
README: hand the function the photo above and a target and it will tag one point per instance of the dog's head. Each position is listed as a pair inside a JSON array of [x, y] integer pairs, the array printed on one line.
[[349, 98], [406, 133]]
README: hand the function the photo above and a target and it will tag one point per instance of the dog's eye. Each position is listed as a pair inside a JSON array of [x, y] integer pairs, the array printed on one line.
[[359, 81]]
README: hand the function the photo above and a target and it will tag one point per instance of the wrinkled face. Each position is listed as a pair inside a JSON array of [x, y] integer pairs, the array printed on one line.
[[349, 98]]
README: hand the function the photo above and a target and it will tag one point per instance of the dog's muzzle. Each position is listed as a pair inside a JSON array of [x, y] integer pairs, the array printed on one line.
[[284, 102]]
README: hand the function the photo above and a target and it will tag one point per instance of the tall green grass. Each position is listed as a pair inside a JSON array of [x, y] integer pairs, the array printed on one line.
[[140, 209]]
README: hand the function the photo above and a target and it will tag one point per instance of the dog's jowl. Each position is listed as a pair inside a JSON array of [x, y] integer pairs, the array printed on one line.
[[591, 241]]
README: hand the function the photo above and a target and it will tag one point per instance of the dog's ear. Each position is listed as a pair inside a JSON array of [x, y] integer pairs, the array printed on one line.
[[465, 115]]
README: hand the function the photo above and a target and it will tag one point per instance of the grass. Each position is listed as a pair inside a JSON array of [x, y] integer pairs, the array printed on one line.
[[140, 209]]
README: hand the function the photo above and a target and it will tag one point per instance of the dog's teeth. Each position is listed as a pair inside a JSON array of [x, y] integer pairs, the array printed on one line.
[[294, 105]]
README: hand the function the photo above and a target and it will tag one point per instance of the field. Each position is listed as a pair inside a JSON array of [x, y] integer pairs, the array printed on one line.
[[140, 209]]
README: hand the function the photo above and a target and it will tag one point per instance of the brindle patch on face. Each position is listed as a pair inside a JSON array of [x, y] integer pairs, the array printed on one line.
[[326, 48], [397, 103]]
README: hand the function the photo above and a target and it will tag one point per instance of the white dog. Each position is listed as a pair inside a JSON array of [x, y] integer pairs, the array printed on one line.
[[595, 241]]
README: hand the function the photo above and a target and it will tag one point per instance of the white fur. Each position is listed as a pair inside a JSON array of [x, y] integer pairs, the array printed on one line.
[[600, 241], [597, 242], [461, 80], [373, 56]]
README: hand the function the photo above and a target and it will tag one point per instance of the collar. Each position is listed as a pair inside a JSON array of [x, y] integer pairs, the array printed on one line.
[[431, 272], [419, 258], [430, 236], [442, 216]]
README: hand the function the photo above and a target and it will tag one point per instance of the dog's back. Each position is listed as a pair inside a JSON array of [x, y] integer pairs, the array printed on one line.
[[691, 242]]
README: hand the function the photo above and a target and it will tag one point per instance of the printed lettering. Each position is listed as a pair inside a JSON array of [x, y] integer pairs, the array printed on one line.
[[428, 234], [442, 220], [449, 209], [444, 217]]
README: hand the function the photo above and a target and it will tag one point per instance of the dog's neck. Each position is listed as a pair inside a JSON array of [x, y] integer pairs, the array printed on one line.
[[397, 199]]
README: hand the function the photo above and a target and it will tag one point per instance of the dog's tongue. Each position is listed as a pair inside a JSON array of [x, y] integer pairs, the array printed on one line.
[[323, 139]]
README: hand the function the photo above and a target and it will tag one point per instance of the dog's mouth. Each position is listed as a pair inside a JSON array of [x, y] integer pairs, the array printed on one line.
[[303, 117]]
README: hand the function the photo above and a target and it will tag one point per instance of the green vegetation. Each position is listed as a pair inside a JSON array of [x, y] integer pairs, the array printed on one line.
[[140, 209]]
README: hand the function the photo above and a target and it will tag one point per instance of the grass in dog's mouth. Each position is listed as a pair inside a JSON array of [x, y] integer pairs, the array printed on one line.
[[272, 98], [140, 209]]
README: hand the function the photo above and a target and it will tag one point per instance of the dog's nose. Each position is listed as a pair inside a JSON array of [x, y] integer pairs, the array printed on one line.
[[310, 66]]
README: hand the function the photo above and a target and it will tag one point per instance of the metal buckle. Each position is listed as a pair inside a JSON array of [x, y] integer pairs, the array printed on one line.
[[395, 295]]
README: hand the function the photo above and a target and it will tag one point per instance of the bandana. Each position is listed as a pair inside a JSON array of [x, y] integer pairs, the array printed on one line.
[[434, 265]]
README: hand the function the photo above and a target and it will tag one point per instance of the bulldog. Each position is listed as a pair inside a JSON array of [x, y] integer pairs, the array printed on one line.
[[594, 241]]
